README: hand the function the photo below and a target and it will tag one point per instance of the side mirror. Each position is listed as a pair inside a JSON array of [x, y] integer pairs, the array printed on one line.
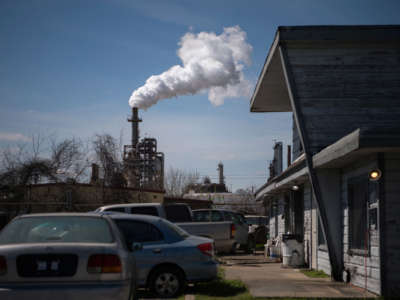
[[136, 246]]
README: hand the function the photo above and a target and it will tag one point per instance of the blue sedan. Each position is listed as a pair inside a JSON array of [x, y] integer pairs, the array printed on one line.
[[167, 257]]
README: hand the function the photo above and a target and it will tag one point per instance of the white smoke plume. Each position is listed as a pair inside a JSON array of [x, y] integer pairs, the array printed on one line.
[[209, 62]]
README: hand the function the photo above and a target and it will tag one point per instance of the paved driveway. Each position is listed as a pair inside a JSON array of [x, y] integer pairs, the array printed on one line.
[[269, 279]]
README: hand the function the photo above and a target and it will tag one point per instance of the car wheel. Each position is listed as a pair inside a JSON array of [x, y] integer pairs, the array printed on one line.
[[167, 282]]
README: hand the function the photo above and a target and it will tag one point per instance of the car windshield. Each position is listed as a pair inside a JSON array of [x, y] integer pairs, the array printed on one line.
[[179, 231], [60, 229]]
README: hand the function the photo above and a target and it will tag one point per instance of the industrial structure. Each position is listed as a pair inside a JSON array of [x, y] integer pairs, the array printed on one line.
[[144, 166]]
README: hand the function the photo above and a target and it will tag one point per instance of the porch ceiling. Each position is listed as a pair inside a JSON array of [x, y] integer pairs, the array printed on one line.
[[359, 143], [271, 94], [296, 174]]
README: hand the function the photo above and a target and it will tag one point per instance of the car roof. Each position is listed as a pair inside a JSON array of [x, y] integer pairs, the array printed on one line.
[[215, 209], [61, 214], [130, 205], [148, 218]]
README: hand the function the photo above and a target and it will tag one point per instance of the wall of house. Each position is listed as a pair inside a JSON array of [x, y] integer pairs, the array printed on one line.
[[297, 148], [364, 270], [276, 217], [344, 87], [308, 236], [391, 253]]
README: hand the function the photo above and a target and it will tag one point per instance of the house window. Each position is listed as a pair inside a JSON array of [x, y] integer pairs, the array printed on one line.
[[357, 192]]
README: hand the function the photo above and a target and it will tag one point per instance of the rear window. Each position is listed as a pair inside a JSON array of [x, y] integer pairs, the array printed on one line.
[[57, 229], [116, 209], [201, 216], [179, 231], [216, 216], [145, 210], [177, 213], [138, 231]]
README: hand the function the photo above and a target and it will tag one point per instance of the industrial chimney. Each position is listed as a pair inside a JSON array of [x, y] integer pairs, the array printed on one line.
[[221, 173], [134, 119]]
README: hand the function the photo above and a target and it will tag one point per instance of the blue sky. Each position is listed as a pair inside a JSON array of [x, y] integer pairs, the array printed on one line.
[[69, 68]]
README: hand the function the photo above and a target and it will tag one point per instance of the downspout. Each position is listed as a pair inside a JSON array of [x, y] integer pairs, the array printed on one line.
[[336, 268]]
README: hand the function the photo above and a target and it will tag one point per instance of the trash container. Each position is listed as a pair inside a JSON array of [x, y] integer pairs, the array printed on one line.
[[292, 250]]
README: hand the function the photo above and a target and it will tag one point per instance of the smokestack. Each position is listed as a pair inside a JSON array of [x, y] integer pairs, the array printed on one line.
[[134, 119], [221, 173]]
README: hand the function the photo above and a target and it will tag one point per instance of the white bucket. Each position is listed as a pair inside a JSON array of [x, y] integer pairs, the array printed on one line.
[[286, 260]]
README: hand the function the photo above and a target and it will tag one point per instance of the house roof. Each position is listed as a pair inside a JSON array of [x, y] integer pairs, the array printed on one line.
[[296, 173], [271, 93], [359, 143]]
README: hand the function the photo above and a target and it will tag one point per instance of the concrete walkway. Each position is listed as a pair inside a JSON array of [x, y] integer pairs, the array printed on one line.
[[268, 279]]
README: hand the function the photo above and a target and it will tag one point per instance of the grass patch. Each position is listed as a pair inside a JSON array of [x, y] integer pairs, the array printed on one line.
[[220, 288], [315, 273], [260, 247]]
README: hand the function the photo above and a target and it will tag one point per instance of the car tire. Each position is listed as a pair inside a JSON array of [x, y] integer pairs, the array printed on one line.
[[167, 282]]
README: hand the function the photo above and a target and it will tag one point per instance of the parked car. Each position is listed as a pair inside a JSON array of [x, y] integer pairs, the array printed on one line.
[[258, 228], [223, 233], [174, 212], [167, 256], [222, 215], [65, 256]]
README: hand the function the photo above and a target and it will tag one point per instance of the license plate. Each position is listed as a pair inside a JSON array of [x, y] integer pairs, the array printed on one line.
[[47, 265]]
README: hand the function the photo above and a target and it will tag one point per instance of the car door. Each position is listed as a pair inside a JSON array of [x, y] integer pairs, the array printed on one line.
[[151, 240]]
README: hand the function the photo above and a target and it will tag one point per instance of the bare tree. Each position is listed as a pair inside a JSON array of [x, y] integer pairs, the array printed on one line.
[[108, 154], [248, 204], [176, 181], [43, 160], [70, 159]]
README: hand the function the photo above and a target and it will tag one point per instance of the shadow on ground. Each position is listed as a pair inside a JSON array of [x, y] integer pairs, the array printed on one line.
[[144, 294]]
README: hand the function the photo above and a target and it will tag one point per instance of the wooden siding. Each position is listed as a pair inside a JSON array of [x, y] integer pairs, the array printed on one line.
[[297, 147], [341, 89], [323, 262], [308, 237], [392, 223], [364, 270], [277, 218]]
